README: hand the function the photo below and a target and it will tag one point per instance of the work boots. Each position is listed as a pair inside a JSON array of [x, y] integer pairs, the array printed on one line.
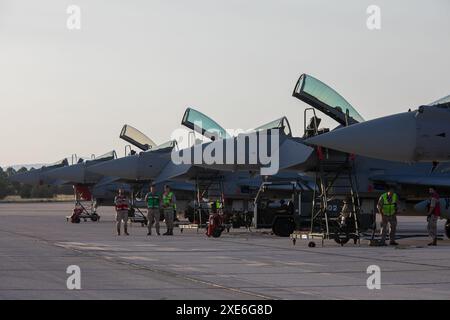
[[433, 243], [169, 232]]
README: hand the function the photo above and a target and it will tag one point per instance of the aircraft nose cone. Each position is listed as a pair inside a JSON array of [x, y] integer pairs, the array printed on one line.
[[73, 173], [125, 168], [423, 207], [389, 138]]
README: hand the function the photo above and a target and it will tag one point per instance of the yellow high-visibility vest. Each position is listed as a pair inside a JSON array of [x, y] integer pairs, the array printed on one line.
[[167, 199], [389, 208]]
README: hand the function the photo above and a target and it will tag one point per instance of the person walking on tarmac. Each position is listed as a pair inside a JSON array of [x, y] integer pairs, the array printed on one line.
[[154, 211], [169, 205], [387, 207], [434, 212], [122, 205]]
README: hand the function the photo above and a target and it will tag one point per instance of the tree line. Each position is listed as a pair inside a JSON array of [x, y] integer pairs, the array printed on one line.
[[11, 188]]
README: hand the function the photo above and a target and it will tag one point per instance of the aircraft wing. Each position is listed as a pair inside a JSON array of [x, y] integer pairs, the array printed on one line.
[[183, 172], [172, 171]]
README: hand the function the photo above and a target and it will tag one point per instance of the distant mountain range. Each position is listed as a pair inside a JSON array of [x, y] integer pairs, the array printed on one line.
[[28, 166]]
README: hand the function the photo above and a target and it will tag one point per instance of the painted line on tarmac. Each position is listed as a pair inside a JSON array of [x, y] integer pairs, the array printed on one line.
[[145, 268]]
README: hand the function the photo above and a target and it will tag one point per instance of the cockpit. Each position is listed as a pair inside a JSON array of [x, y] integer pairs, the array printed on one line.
[[104, 157], [320, 96], [61, 163], [169, 144], [202, 124], [323, 98], [282, 124]]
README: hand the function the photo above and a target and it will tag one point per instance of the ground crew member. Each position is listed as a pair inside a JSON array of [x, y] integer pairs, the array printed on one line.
[[169, 205], [387, 207], [434, 212], [216, 206], [346, 211], [122, 205], [154, 211]]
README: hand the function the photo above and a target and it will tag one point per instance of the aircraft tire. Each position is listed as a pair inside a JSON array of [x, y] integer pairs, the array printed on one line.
[[341, 238], [217, 232], [283, 226]]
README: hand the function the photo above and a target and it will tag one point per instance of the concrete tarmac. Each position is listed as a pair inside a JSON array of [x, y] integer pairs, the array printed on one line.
[[37, 245]]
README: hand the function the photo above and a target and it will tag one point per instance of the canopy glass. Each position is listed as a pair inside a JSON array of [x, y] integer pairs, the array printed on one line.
[[320, 96], [165, 145], [57, 164], [136, 138], [197, 121], [282, 124], [104, 157]]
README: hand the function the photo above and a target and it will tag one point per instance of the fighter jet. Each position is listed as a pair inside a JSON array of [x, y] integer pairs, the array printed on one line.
[[138, 167], [40, 176], [422, 135], [97, 189], [192, 163], [79, 174], [251, 151], [88, 186]]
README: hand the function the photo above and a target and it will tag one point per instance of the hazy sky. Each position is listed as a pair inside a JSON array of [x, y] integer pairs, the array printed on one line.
[[144, 62]]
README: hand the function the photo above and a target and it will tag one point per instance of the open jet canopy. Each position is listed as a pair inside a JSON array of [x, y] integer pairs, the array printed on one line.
[[166, 145], [57, 164], [104, 157], [282, 124], [200, 123], [136, 138], [321, 97], [138, 167]]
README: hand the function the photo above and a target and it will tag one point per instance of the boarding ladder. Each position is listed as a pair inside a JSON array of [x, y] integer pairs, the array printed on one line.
[[335, 179], [209, 190]]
